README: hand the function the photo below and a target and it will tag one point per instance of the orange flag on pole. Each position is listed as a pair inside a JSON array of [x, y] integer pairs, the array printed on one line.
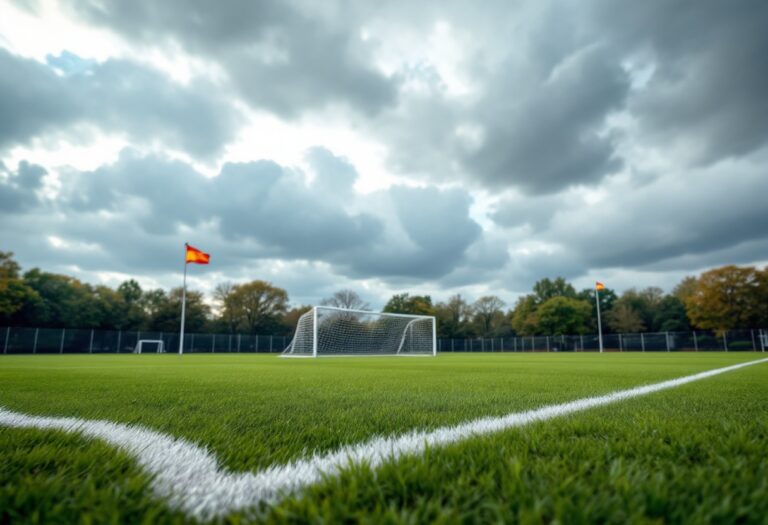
[[197, 256], [599, 285]]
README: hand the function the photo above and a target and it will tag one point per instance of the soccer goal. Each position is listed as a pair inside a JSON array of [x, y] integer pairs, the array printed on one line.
[[328, 331], [159, 347]]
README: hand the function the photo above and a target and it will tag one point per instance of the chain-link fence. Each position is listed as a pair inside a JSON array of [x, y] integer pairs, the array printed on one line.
[[78, 341], [699, 341]]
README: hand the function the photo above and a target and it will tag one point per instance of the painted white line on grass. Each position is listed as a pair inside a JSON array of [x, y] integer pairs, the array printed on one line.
[[190, 479]]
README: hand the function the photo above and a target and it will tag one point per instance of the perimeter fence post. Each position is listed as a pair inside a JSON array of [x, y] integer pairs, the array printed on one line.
[[270, 344], [547, 343], [34, 345], [119, 336], [621, 348], [213, 344], [642, 342], [725, 339], [7, 336], [452, 344], [61, 345], [192, 343], [581, 339], [666, 336], [238, 343], [695, 342], [90, 345], [229, 344], [754, 346]]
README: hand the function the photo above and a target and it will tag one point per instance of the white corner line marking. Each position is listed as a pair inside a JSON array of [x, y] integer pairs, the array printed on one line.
[[189, 478]]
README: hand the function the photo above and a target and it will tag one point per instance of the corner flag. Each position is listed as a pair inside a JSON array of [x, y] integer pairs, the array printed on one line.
[[195, 256], [599, 286]]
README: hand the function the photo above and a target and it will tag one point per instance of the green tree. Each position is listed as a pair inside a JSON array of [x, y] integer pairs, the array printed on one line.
[[563, 316], [453, 317], [151, 303], [134, 315], [14, 292], [608, 298], [488, 315], [624, 318], [112, 311], [525, 320], [729, 298], [685, 288], [229, 315], [167, 313], [671, 316], [410, 304], [259, 306], [60, 301], [645, 303], [546, 289]]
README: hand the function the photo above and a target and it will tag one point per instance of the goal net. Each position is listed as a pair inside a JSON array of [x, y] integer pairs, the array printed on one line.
[[149, 345], [330, 331]]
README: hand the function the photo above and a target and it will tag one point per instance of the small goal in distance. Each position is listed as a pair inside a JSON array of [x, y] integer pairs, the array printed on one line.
[[155, 344], [326, 331]]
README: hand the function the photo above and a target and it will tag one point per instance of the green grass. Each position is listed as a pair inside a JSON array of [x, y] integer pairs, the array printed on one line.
[[695, 453]]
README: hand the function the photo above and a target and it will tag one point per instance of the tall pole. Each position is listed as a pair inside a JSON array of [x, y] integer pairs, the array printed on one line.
[[599, 322], [183, 303]]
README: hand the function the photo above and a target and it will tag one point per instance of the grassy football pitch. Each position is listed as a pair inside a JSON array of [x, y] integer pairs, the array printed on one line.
[[696, 453]]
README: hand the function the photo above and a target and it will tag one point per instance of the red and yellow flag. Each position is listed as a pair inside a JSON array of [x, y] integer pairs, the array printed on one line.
[[196, 256], [599, 285]]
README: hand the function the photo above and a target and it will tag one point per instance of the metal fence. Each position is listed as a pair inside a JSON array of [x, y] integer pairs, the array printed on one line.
[[699, 341], [78, 341]]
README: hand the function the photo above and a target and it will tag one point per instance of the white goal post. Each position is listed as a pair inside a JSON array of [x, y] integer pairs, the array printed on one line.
[[329, 331], [140, 344]]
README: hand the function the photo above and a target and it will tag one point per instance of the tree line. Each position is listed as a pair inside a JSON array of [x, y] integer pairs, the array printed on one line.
[[730, 297], [726, 298]]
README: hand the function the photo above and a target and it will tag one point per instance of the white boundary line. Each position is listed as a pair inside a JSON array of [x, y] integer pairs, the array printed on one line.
[[190, 479]]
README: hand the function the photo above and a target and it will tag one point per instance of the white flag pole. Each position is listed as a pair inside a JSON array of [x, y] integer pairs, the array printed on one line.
[[183, 303], [599, 324]]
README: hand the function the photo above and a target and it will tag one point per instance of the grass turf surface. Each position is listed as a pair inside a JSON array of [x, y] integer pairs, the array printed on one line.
[[693, 453]]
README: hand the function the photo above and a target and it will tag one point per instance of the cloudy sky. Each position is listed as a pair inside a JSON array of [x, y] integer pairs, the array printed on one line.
[[430, 147]]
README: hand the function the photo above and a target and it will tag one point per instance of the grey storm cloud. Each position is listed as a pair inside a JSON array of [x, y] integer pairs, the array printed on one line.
[[689, 75], [548, 138], [263, 210], [18, 188], [433, 235], [671, 219], [116, 96], [708, 84], [656, 107], [277, 56]]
